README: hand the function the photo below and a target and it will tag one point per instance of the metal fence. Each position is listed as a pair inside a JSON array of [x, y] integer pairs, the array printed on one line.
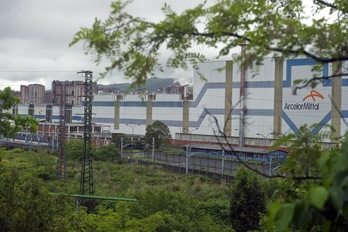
[[219, 169]]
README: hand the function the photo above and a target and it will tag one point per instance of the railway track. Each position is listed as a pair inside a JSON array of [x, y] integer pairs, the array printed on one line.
[[31, 145]]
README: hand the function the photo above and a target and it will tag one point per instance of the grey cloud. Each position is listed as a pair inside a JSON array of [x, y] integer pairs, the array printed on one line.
[[34, 36]]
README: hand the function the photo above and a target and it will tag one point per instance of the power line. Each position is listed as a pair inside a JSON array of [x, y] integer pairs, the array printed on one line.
[[31, 71]]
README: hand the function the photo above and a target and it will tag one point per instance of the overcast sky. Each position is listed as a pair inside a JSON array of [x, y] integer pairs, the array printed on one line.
[[35, 37]]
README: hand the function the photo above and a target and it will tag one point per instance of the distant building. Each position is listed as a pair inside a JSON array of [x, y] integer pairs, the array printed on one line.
[[186, 92], [169, 89], [16, 93], [36, 93], [173, 89], [48, 97], [75, 91], [24, 94]]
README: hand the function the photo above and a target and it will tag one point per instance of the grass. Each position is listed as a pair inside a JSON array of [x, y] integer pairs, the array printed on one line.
[[114, 180]]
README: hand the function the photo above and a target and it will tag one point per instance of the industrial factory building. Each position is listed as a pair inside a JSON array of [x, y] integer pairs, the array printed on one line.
[[254, 103]]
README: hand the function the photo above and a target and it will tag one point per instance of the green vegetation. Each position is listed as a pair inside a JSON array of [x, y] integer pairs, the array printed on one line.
[[309, 203], [310, 197], [248, 201], [304, 151], [165, 201], [10, 123], [159, 132], [103, 153]]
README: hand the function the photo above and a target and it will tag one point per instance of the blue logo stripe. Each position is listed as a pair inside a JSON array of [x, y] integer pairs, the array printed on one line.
[[290, 123], [322, 123]]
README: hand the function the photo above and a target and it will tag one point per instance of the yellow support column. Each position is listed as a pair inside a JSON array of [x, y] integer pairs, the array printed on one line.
[[336, 104], [150, 98], [185, 116], [278, 96], [117, 112], [228, 98]]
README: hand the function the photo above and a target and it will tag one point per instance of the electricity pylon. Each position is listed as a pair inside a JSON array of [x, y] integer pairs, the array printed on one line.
[[62, 169], [86, 181]]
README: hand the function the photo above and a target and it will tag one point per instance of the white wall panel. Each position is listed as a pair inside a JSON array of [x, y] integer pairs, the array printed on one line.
[[133, 112], [257, 73], [208, 125], [308, 106], [23, 109], [168, 97], [166, 114], [103, 97], [260, 98], [213, 98], [258, 124]]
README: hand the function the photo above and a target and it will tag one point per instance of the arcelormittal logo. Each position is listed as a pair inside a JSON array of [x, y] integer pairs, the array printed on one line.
[[313, 95], [306, 105]]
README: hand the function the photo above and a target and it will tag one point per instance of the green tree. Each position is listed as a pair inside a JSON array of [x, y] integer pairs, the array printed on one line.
[[248, 201], [74, 149], [10, 123], [324, 206], [102, 153], [283, 28], [177, 211], [26, 204], [160, 132], [107, 153], [304, 149], [218, 209], [118, 139]]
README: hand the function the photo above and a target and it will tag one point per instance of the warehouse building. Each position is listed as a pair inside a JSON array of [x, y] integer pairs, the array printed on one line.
[[250, 106]]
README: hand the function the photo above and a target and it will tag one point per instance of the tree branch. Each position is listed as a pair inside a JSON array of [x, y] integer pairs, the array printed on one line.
[[325, 3], [294, 91], [297, 52]]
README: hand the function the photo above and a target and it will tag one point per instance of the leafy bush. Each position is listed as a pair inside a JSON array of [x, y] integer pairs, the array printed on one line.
[[248, 201], [107, 153]]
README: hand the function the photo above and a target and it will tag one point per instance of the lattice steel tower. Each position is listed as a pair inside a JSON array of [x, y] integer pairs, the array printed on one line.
[[62, 169], [86, 182]]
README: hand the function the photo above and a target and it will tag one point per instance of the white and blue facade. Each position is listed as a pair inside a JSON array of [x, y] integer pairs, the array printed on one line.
[[270, 105]]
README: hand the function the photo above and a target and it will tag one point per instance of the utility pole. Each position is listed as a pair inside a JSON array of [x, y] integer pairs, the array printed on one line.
[[61, 136], [265, 147], [188, 153], [132, 138], [242, 100], [86, 181]]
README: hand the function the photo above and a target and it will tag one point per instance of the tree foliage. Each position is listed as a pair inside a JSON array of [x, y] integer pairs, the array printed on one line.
[[304, 149], [287, 28], [101, 153], [74, 149], [160, 132], [107, 153], [248, 201], [26, 204], [164, 201], [325, 204], [10, 123], [178, 211]]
